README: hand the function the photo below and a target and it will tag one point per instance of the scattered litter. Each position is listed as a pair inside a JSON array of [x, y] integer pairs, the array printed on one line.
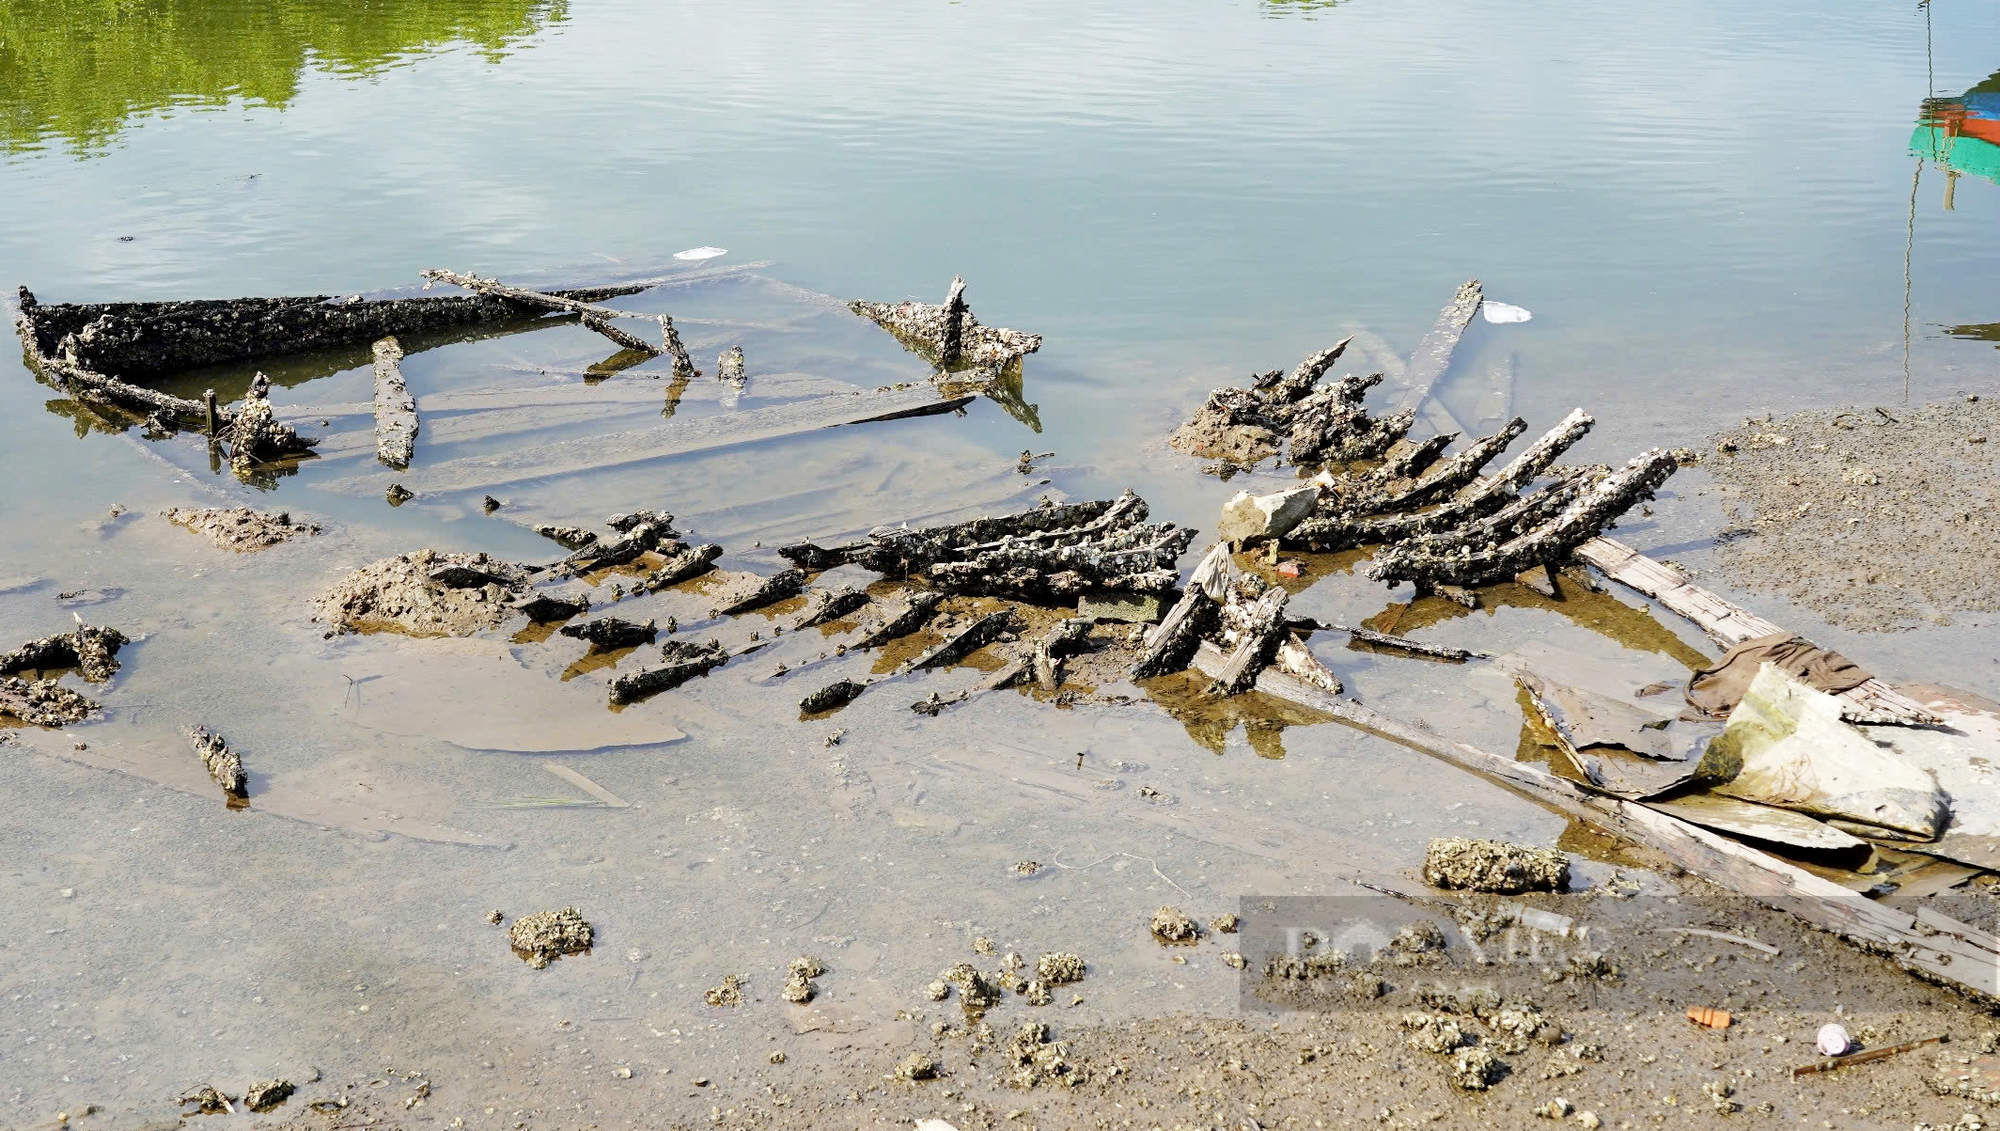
[[1708, 1016], [1501, 312], [1832, 1040], [696, 254]]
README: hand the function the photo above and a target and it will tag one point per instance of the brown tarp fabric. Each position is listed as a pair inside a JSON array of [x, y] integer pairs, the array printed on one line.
[[1716, 691]]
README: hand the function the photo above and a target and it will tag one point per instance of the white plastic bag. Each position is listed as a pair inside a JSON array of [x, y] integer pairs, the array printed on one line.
[[711, 252], [1503, 312]]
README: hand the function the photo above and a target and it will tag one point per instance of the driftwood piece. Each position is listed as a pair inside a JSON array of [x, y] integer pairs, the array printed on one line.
[[395, 409], [916, 612], [777, 587], [596, 317], [92, 651], [1331, 436], [830, 606], [689, 563], [685, 661], [1729, 625], [1433, 354], [1934, 946], [608, 633], [970, 639], [1449, 475], [223, 766], [42, 702], [1057, 644], [672, 438], [832, 697], [1255, 627], [1434, 561], [132, 341]]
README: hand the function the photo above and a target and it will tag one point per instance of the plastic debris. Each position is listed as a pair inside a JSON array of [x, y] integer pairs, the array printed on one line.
[[1708, 1016], [1832, 1041], [700, 253], [1503, 312]]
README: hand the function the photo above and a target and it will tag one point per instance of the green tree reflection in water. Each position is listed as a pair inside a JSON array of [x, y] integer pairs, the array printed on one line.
[[77, 70]]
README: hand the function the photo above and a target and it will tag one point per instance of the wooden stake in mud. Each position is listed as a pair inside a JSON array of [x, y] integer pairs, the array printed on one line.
[[208, 401], [951, 339]]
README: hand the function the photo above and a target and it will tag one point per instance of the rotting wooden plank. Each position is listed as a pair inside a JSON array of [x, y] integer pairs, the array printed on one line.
[[1928, 944], [672, 438], [1433, 356], [1729, 625], [395, 409]]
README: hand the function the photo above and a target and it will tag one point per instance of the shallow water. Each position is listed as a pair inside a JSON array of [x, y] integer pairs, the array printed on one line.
[[1711, 213]]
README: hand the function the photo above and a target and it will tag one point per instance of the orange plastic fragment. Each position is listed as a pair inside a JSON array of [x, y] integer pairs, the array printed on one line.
[[1709, 1016]]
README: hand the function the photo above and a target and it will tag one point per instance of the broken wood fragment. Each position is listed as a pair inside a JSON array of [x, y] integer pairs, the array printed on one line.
[[1295, 658], [832, 606], [568, 537], [395, 409], [916, 612], [131, 341], [683, 565], [977, 635], [544, 608], [677, 437], [257, 436], [769, 591], [596, 317], [1171, 644], [460, 576], [610, 633], [1255, 627], [685, 661], [222, 764], [832, 697], [1405, 644], [642, 531], [1060, 642], [1433, 354], [948, 336]]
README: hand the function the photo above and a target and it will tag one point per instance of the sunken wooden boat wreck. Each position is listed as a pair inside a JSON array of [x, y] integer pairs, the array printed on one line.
[[104, 352]]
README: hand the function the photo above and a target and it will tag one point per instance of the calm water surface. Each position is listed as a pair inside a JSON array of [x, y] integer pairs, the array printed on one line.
[[1712, 211]]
